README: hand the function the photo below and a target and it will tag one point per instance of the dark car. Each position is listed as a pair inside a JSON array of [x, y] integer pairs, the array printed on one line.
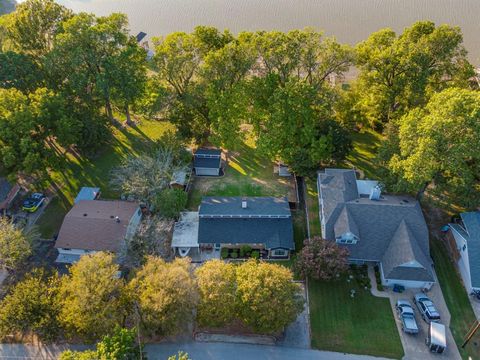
[[33, 202], [426, 308]]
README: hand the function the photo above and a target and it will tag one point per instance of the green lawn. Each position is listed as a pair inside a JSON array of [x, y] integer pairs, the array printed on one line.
[[78, 171], [457, 300], [313, 207], [362, 325], [365, 146]]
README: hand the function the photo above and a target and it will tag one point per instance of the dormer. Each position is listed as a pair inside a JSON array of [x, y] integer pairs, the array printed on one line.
[[346, 230]]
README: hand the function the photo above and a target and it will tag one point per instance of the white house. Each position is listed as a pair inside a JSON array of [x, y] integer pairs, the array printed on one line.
[[467, 238], [96, 225]]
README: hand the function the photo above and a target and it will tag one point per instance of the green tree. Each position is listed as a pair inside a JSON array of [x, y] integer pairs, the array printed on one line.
[[180, 356], [32, 306], [398, 73], [169, 202], [267, 298], [19, 71], [439, 147], [34, 24], [15, 244], [78, 355], [217, 288], [92, 296], [165, 294]]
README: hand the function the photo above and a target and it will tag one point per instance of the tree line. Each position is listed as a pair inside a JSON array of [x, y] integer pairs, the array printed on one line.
[[158, 299], [64, 76]]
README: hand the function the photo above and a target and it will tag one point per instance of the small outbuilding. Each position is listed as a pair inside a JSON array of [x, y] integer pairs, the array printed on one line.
[[179, 179], [207, 162], [8, 193]]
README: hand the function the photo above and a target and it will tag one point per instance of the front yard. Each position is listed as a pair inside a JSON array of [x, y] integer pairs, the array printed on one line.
[[360, 325]]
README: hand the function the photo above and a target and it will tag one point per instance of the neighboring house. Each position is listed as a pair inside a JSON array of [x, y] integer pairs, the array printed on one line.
[[263, 223], [467, 238], [8, 193], [386, 230], [87, 193], [96, 225], [207, 162]]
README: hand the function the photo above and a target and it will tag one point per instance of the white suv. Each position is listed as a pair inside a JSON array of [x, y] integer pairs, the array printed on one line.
[[426, 308]]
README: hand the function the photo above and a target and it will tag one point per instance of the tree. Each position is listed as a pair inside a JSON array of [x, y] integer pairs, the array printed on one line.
[[19, 71], [169, 202], [300, 128], [145, 176], [121, 345], [32, 306], [267, 298], [15, 244], [321, 259], [92, 303], [165, 294], [217, 288], [398, 73], [180, 356], [34, 24], [439, 147]]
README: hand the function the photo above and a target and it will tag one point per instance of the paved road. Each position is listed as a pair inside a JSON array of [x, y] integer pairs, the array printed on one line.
[[197, 351]]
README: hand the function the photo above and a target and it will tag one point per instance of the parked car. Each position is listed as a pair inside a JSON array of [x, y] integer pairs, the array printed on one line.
[[407, 316], [427, 310], [33, 202]]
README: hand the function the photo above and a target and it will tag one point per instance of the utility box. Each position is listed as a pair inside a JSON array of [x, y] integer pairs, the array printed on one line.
[[436, 339]]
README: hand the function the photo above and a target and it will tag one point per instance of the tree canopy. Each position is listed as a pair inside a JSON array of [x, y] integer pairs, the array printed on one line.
[[15, 244]]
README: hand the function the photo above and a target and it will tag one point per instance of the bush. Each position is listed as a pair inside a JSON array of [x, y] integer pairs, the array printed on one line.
[[255, 254], [169, 202], [234, 254], [245, 250], [224, 253]]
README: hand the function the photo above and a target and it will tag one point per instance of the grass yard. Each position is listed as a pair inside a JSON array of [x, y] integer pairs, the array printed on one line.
[[365, 146], [247, 174], [77, 171], [313, 207], [457, 300], [362, 325]]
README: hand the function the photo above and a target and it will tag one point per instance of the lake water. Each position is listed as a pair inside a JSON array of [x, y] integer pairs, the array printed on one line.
[[349, 21]]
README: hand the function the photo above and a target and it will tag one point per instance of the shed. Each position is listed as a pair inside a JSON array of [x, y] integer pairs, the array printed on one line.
[[179, 179], [207, 162], [87, 193]]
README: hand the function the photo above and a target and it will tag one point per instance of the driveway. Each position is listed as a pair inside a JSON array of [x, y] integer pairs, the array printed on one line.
[[297, 334], [196, 351], [414, 345]]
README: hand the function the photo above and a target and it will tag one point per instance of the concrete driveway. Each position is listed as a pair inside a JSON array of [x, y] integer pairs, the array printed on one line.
[[414, 345]]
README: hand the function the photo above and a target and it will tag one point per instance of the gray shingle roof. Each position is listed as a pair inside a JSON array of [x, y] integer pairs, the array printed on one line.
[[210, 163], [471, 221], [224, 221], [376, 222], [208, 152], [5, 188]]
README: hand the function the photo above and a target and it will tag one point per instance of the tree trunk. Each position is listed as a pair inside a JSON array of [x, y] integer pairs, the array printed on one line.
[[108, 110], [127, 113], [422, 191]]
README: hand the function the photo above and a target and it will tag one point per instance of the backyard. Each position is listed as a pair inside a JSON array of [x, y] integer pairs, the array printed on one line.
[[78, 171], [352, 325]]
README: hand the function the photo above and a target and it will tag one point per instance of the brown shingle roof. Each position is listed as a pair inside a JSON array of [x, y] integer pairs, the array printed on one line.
[[92, 225]]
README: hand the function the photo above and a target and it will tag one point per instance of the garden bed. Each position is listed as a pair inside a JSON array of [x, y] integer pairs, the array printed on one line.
[[244, 252]]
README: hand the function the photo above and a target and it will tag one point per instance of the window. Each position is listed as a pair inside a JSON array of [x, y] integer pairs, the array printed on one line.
[[347, 238], [464, 247], [279, 252]]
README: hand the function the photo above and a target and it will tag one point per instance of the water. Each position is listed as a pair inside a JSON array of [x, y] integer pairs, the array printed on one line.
[[350, 21]]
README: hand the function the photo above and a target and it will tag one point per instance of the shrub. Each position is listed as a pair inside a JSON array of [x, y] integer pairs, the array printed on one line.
[[224, 253], [234, 254], [255, 254], [169, 202], [245, 250]]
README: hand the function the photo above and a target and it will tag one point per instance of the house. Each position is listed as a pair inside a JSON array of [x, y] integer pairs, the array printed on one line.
[[207, 162], [8, 193], [87, 193], [467, 239], [385, 230], [263, 223], [96, 225]]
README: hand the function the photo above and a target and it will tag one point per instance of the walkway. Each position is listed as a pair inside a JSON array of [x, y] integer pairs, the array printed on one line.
[[197, 351], [414, 345]]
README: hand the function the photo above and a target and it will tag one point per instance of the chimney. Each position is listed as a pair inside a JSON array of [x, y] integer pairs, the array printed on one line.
[[117, 219], [375, 193], [244, 203]]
